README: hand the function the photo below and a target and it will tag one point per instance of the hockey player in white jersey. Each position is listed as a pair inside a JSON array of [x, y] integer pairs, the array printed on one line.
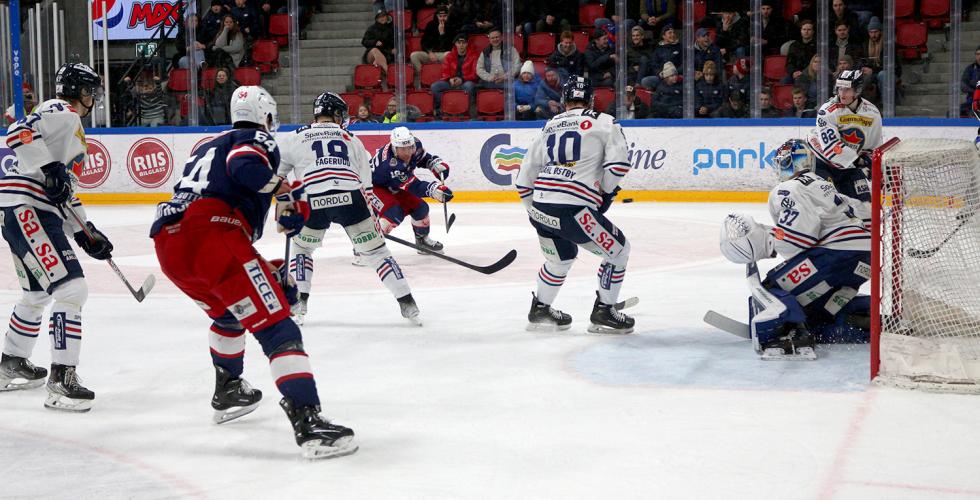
[[50, 148], [336, 173], [848, 131], [567, 182], [812, 296]]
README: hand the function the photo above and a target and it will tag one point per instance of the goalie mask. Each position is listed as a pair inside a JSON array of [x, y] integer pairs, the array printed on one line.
[[793, 157]]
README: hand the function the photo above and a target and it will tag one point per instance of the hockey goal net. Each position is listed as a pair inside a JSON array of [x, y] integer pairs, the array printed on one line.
[[926, 265]]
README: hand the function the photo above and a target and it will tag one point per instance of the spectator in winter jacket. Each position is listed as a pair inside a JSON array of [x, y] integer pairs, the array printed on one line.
[[547, 99], [610, 17], [800, 52], [490, 64], [248, 19], [458, 71], [733, 108], [566, 58], [219, 97], [969, 78], [709, 92], [733, 35], [363, 115], [845, 44], [152, 102], [668, 101], [229, 41], [766, 109], [705, 51], [800, 108], [774, 31], [810, 80], [739, 81], [636, 109], [638, 55], [601, 60], [655, 14], [437, 39], [557, 16], [210, 24], [379, 40], [839, 13], [669, 50], [525, 89]]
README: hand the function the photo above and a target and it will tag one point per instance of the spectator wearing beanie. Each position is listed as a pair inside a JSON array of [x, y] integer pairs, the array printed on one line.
[[437, 39], [739, 81], [668, 50], [525, 89], [379, 40], [774, 31], [458, 70], [668, 101]]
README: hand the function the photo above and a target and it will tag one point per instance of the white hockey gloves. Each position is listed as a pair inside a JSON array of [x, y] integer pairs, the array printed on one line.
[[744, 241]]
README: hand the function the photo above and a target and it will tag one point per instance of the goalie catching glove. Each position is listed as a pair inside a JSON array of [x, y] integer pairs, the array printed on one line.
[[744, 241], [95, 244], [292, 209]]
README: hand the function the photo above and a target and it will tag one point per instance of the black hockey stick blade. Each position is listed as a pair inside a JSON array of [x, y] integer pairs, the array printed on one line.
[[726, 324], [626, 304], [492, 268], [929, 252], [449, 222]]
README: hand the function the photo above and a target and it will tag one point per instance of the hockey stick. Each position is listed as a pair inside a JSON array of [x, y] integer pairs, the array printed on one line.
[[929, 252], [726, 324], [492, 268], [630, 302], [285, 262], [445, 208], [148, 283]]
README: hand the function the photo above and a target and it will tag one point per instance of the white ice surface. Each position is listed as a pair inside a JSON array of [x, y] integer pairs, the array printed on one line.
[[473, 407]]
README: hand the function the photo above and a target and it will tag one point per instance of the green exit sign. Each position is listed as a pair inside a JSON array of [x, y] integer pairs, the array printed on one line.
[[145, 49]]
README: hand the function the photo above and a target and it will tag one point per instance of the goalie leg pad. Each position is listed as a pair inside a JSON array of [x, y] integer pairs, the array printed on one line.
[[25, 324], [227, 341], [282, 343], [66, 321], [767, 322]]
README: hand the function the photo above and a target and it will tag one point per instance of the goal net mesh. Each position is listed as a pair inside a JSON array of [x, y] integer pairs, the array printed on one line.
[[930, 265]]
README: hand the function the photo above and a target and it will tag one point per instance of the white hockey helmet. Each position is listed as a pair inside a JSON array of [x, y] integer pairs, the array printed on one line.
[[401, 137], [793, 157], [251, 103]]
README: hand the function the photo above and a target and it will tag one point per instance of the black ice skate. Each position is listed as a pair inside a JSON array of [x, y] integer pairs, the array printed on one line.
[[410, 310], [65, 390], [795, 342], [544, 318], [316, 435], [298, 310], [233, 397], [18, 373], [607, 319], [427, 243]]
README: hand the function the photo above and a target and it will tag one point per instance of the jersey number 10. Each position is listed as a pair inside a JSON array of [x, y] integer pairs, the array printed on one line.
[[562, 153]]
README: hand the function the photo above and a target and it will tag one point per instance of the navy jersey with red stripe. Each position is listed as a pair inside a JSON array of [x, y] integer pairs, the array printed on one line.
[[395, 175], [237, 167]]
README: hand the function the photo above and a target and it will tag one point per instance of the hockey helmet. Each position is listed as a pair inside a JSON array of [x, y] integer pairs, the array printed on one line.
[[401, 137], [850, 79], [577, 88], [75, 80], [253, 104], [793, 157], [332, 106]]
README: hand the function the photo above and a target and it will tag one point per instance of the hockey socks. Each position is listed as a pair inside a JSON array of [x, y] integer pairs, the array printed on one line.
[[23, 329], [227, 340], [610, 282], [283, 345], [550, 278], [301, 267]]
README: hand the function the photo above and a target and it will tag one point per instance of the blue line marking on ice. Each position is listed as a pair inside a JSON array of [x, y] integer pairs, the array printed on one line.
[[708, 359]]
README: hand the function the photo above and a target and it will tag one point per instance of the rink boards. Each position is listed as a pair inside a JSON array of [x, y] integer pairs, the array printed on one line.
[[672, 160]]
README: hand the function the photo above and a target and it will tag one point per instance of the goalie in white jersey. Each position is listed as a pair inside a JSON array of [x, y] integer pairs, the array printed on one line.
[[567, 182], [50, 147], [812, 296], [336, 173]]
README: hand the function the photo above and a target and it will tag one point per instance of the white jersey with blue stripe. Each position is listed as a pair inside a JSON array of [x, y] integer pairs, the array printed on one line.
[[325, 157], [843, 132], [809, 212], [579, 156]]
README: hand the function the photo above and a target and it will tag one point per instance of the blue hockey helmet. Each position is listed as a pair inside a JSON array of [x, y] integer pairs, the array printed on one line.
[[577, 88], [793, 157], [332, 106]]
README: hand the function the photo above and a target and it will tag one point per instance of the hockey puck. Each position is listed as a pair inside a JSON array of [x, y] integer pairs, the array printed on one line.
[[627, 200]]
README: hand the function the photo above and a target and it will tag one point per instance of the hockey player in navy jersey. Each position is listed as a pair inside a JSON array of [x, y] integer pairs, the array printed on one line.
[[336, 174], [399, 192], [203, 238], [567, 183], [813, 295], [50, 148]]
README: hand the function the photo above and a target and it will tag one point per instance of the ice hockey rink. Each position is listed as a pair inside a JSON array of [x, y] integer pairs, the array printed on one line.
[[471, 406]]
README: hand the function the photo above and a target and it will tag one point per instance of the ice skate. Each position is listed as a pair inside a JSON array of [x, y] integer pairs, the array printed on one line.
[[316, 435], [544, 318], [18, 373], [607, 319], [233, 397], [410, 310], [795, 342], [427, 243], [65, 390], [298, 310], [358, 260]]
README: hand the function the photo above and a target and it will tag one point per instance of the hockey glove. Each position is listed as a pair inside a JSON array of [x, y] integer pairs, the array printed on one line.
[[439, 168], [57, 182], [281, 272], [440, 192], [607, 200], [97, 246], [292, 210]]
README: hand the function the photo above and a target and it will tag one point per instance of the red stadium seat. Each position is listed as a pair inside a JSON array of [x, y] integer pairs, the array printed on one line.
[[540, 67], [935, 13], [248, 76], [540, 46], [430, 73], [774, 68], [646, 96], [581, 40], [911, 40], [421, 99], [179, 80], [407, 17], [279, 29], [353, 101], [782, 96], [379, 102], [367, 77], [185, 104], [424, 16], [265, 54], [604, 97], [490, 105], [413, 43], [588, 13], [393, 76], [477, 42], [455, 106], [700, 11], [207, 78], [904, 8]]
